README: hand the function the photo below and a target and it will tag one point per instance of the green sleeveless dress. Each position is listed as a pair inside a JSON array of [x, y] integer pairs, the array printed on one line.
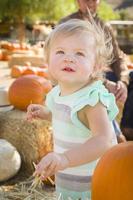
[[75, 183]]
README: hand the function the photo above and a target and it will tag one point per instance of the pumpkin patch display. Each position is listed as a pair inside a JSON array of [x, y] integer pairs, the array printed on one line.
[[6, 45], [17, 71], [113, 176], [28, 89], [14, 46]]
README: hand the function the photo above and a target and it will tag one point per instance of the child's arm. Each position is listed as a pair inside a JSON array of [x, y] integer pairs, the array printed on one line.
[[95, 147], [101, 141]]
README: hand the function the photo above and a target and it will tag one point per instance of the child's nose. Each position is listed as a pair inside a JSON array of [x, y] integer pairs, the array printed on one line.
[[69, 58]]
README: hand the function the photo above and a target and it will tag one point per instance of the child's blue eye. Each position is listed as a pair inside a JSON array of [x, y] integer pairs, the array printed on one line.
[[80, 53], [60, 52]]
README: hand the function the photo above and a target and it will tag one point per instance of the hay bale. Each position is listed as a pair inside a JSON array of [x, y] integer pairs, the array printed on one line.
[[33, 139], [18, 59]]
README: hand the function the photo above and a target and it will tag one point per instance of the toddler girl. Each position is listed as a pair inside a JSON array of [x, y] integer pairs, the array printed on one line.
[[82, 108]]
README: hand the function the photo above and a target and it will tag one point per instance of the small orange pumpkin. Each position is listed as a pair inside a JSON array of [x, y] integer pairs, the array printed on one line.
[[1, 55], [43, 72], [29, 70], [28, 89], [113, 176], [130, 66], [5, 55], [17, 71], [7, 46]]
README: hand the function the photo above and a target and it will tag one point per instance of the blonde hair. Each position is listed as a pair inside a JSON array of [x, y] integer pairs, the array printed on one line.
[[104, 48]]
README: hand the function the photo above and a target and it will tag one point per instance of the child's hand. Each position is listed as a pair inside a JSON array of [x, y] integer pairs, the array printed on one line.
[[50, 164], [35, 111]]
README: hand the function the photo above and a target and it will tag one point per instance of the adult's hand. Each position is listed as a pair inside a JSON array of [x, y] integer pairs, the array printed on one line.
[[111, 86], [121, 92], [119, 89]]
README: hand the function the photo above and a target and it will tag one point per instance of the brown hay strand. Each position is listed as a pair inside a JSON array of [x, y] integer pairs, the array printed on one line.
[[49, 179]]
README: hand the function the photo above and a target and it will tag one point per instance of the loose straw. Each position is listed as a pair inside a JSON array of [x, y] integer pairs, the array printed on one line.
[[51, 181]]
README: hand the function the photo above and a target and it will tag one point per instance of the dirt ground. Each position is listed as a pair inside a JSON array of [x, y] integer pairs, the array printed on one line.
[[12, 189]]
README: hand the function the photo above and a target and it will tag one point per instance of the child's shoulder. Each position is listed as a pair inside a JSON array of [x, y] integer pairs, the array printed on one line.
[[96, 93], [97, 84], [94, 87]]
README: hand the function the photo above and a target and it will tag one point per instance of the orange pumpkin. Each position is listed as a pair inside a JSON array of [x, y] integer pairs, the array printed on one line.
[[1, 55], [29, 70], [113, 176], [5, 55], [130, 66], [43, 72], [47, 85], [7, 46], [15, 46], [28, 89], [17, 71]]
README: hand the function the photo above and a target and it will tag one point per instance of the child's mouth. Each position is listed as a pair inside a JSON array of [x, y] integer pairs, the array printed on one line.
[[68, 69]]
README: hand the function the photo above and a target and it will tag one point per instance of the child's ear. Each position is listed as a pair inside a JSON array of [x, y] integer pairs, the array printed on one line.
[[97, 71], [98, 67], [50, 77]]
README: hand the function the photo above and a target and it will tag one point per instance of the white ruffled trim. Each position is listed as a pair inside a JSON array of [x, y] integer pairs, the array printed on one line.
[[98, 94]]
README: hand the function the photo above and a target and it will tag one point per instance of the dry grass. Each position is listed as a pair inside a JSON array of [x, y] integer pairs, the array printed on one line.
[[31, 189], [22, 187], [38, 180]]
